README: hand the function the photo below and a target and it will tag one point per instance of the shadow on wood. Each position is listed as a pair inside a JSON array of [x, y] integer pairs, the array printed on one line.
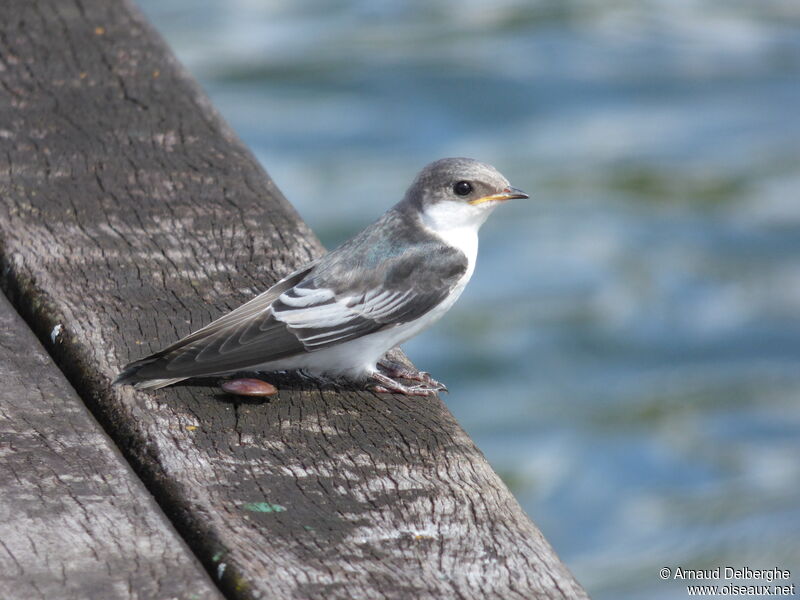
[[130, 216]]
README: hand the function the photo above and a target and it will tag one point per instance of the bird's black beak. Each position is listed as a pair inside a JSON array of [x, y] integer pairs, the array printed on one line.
[[509, 193], [512, 192]]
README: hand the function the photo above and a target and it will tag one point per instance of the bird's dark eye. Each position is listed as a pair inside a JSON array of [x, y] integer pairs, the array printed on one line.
[[463, 188]]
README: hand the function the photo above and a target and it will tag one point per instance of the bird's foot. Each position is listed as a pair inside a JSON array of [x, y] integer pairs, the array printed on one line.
[[387, 385], [399, 371]]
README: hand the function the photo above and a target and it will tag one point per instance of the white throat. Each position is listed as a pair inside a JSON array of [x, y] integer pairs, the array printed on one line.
[[457, 224]]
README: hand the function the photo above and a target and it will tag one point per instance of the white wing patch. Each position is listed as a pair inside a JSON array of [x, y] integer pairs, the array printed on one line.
[[306, 310], [379, 304], [327, 315], [312, 339], [300, 296]]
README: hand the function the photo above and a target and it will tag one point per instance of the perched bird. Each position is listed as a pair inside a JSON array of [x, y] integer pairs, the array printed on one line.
[[338, 315]]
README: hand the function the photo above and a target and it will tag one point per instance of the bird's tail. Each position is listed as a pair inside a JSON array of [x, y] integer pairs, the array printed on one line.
[[130, 376]]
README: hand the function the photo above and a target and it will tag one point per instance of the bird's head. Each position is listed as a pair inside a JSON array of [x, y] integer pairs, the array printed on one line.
[[460, 191]]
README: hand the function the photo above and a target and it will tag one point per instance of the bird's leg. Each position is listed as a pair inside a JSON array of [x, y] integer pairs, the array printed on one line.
[[387, 385], [397, 370]]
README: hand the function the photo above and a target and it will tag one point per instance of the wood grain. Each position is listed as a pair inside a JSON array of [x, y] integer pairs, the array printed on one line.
[[75, 521], [131, 215]]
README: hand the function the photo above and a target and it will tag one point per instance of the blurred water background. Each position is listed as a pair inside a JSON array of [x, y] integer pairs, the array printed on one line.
[[628, 352]]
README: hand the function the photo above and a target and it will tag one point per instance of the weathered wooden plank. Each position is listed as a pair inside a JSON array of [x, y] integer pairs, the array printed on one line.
[[130, 215], [75, 522]]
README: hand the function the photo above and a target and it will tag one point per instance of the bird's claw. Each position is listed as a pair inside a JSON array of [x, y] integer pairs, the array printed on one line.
[[387, 385], [416, 390], [437, 385], [398, 371]]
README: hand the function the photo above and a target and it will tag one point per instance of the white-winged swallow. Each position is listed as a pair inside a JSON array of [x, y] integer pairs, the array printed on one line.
[[338, 315]]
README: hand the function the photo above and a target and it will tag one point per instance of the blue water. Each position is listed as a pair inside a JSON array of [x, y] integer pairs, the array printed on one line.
[[628, 352]]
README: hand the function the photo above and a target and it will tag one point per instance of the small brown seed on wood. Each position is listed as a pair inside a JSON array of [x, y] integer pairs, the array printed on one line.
[[249, 387]]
